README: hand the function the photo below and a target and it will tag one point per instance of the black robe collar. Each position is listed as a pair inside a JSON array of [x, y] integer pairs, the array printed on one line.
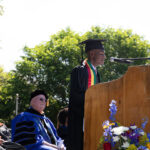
[[33, 111]]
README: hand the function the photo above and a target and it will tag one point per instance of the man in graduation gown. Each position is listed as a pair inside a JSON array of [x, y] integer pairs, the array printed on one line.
[[33, 129], [82, 77]]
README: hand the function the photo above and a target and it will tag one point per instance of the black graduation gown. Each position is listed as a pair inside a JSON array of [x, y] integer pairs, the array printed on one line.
[[78, 86], [62, 132]]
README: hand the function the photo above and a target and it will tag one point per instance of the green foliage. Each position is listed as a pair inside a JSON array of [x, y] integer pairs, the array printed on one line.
[[122, 44], [5, 98], [1, 9], [48, 65], [132, 147], [4, 77], [101, 142], [143, 140]]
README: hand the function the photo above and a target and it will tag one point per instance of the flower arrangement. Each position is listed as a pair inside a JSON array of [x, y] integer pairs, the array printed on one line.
[[117, 137]]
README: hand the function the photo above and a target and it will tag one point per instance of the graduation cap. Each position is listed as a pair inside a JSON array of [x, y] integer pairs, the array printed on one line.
[[38, 92], [91, 44]]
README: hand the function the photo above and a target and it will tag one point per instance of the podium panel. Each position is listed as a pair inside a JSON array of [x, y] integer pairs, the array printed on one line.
[[132, 94]]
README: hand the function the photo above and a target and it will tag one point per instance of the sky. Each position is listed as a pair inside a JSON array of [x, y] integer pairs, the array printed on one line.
[[30, 22]]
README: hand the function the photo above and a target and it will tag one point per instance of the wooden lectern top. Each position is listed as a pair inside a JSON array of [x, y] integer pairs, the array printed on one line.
[[132, 93]]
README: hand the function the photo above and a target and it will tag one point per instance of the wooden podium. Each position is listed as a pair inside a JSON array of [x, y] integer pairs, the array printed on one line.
[[132, 93]]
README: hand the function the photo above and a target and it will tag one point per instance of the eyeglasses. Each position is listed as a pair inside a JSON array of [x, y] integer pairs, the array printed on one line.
[[102, 54], [43, 99]]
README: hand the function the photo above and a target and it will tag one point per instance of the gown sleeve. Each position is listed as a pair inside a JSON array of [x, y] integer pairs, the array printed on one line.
[[25, 131], [78, 86]]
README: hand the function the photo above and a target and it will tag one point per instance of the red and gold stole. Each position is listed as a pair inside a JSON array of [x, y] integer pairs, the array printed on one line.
[[91, 73]]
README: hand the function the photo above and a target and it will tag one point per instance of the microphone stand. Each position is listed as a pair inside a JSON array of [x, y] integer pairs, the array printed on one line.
[[119, 60], [139, 58], [128, 60]]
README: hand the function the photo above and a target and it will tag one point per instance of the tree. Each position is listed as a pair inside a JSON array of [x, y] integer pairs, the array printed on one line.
[[48, 65], [1, 10], [120, 43], [5, 98]]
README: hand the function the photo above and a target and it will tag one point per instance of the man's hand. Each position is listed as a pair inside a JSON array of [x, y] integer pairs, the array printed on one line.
[[62, 147], [1, 141]]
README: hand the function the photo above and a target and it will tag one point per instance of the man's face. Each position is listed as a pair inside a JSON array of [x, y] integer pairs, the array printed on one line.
[[38, 103], [98, 57]]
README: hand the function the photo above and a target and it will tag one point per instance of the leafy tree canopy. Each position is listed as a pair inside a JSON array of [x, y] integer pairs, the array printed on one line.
[[1, 9], [5, 98], [48, 65]]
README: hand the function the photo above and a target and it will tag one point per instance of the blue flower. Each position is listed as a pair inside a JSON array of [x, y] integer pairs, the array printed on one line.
[[107, 130], [148, 135], [122, 137], [113, 110], [142, 148], [144, 123]]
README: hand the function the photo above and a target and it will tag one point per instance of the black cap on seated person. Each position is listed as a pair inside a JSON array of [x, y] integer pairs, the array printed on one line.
[[38, 92], [91, 44]]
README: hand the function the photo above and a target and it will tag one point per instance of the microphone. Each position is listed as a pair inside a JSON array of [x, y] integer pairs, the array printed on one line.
[[120, 60]]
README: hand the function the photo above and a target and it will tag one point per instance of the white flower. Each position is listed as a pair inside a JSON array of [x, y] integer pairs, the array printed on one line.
[[115, 138], [133, 127], [106, 122], [133, 134], [119, 130], [142, 133], [112, 102], [124, 137], [125, 145]]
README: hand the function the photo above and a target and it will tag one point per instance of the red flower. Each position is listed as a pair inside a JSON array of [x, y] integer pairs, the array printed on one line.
[[107, 146]]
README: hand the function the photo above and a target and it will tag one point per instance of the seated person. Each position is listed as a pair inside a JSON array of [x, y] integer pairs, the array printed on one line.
[[1, 142], [5, 132], [62, 124], [5, 139], [33, 129]]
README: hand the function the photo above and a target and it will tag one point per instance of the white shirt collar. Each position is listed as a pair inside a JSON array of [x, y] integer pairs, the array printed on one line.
[[94, 68]]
